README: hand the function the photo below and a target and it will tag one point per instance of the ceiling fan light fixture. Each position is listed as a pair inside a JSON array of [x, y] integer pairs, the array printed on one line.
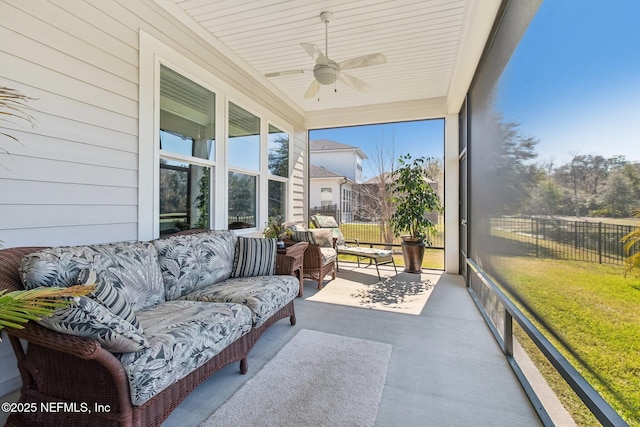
[[325, 74]]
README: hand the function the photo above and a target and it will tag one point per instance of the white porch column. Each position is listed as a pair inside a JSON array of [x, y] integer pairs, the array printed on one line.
[[451, 195]]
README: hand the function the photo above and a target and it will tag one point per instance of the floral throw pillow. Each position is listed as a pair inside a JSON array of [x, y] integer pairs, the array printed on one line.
[[90, 319], [109, 294], [323, 237]]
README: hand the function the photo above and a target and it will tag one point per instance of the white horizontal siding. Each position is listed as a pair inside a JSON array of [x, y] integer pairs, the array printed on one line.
[[73, 178]]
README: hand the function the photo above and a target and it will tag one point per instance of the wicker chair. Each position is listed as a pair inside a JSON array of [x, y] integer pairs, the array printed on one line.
[[317, 265]]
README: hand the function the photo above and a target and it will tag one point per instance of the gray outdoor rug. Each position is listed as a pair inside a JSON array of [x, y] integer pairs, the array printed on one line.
[[316, 379], [405, 293]]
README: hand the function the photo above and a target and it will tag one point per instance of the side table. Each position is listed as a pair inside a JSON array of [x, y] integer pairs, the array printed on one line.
[[297, 253]]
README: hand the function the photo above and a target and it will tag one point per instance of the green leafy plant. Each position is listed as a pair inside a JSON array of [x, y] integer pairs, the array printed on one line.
[[413, 197], [273, 227], [18, 307], [632, 248]]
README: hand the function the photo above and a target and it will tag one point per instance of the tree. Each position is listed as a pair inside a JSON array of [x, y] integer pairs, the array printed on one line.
[[514, 173], [373, 197], [279, 156], [632, 247]]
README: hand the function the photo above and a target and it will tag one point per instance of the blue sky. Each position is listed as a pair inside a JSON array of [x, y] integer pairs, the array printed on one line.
[[576, 86], [419, 138]]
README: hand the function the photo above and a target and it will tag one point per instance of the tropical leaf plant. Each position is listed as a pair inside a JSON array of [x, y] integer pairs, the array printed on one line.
[[632, 247], [18, 307], [13, 104]]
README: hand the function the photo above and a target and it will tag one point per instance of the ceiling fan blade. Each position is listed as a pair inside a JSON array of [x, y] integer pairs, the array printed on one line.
[[363, 61], [284, 73], [353, 82], [315, 53], [313, 89]]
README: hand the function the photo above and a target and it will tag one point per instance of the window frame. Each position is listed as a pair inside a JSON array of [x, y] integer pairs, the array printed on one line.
[[152, 54]]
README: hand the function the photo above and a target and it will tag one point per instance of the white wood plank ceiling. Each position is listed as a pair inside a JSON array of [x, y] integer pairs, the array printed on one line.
[[422, 41]]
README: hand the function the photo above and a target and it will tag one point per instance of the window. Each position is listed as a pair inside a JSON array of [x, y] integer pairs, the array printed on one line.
[[187, 147], [346, 200], [243, 196], [244, 165], [278, 164], [326, 197], [195, 172], [244, 139]]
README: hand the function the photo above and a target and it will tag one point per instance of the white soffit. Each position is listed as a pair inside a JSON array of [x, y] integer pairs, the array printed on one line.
[[432, 48]]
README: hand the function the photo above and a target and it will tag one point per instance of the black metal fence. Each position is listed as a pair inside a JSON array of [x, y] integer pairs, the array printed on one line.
[[565, 239]]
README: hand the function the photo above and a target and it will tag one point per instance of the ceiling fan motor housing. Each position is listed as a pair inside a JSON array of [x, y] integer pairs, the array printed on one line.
[[326, 74]]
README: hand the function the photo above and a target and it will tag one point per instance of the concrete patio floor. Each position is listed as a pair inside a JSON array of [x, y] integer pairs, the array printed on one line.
[[445, 370]]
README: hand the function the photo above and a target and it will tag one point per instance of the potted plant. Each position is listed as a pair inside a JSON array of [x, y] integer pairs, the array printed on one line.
[[413, 198]]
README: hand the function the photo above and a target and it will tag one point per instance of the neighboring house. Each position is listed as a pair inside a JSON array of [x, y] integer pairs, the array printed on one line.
[[338, 157], [334, 169], [329, 189]]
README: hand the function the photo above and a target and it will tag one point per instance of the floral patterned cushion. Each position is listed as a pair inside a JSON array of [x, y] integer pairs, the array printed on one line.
[[328, 255], [108, 293], [193, 261], [183, 335], [130, 266], [264, 295], [88, 318], [323, 237], [324, 221], [365, 251]]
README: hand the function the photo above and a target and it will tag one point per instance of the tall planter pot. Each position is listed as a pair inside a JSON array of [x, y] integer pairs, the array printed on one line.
[[413, 254]]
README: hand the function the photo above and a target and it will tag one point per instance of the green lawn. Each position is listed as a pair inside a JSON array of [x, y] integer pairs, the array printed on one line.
[[595, 312]]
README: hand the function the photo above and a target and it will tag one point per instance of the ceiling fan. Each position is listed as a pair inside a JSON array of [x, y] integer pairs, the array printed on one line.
[[326, 70]]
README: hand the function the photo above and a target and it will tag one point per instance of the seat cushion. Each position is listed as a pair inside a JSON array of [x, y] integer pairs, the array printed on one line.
[[324, 221], [193, 261], [328, 255], [264, 295], [365, 251], [182, 335]]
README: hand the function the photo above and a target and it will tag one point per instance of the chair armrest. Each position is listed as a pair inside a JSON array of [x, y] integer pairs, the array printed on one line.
[[284, 264], [297, 249]]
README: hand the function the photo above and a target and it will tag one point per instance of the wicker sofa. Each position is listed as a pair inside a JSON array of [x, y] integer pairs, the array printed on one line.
[[195, 302]]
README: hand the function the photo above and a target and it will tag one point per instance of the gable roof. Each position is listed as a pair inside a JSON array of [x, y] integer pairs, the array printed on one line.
[[322, 172], [319, 145]]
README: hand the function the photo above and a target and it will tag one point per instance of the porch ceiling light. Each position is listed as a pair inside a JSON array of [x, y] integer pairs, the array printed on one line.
[[326, 74]]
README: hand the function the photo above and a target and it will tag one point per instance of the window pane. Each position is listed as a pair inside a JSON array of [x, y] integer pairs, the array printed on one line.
[[187, 116], [184, 196], [278, 152], [244, 138], [277, 199], [243, 196]]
